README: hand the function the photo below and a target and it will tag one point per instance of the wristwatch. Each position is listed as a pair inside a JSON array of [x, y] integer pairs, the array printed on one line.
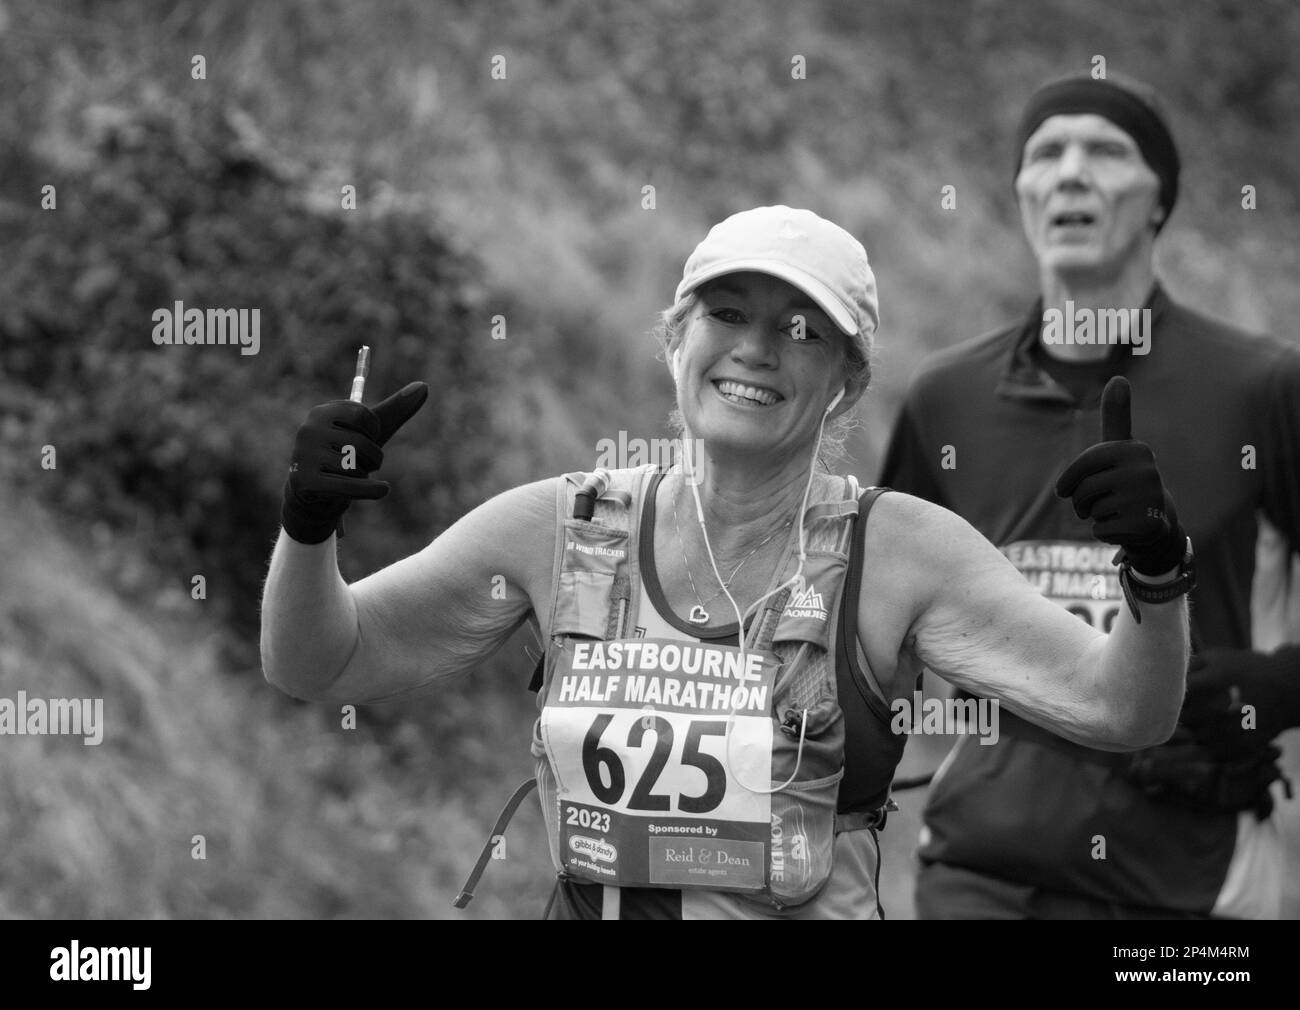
[[1135, 589]]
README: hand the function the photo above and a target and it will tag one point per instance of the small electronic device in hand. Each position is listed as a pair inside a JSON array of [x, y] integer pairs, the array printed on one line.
[[363, 369]]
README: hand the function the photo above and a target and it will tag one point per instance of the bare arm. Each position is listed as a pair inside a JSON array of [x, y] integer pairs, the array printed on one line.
[[432, 615], [979, 624]]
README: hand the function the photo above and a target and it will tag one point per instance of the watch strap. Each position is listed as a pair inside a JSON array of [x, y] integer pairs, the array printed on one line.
[[1135, 589]]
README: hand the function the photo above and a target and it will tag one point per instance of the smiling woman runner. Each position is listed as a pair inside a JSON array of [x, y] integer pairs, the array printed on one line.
[[685, 770]]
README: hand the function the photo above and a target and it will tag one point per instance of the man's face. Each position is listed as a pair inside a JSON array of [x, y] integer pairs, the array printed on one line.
[[1088, 200]]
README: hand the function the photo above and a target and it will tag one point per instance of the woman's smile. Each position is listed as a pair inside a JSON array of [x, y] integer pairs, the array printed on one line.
[[748, 395]]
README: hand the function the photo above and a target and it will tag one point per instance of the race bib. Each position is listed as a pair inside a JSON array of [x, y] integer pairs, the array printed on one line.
[[652, 785], [1076, 574]]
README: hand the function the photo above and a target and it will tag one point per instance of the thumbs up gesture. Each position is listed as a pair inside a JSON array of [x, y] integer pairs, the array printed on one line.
[[1117, 486]]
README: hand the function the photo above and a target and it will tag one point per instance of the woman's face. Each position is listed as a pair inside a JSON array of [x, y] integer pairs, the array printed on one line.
[[759, 364]]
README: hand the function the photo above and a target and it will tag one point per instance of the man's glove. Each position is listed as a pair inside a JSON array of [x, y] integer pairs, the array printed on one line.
[[1221, 758], [1117, 486], [1191, 774], [1222, 682], [319, 487]]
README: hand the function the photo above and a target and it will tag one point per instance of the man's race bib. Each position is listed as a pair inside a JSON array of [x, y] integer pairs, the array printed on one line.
[[1076, 574], [651, 785]]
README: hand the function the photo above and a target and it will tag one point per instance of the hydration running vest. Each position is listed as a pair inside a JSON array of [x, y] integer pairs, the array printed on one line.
[[663, 763]]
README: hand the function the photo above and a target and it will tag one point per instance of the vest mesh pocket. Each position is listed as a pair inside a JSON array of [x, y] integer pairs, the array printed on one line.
[[803, 839], [583, 608], [803, 812], [593, 556]]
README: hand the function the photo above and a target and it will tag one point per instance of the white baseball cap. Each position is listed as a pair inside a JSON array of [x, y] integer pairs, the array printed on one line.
[[821, 259]]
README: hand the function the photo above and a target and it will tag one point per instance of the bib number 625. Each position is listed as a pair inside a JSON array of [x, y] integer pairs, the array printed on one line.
[[601, 764]]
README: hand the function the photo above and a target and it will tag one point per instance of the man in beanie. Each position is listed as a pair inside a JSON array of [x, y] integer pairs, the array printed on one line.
[[1035, 826]]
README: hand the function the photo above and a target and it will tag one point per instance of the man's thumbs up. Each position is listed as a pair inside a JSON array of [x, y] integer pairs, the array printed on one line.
[[1117, 486], [1116, 412]]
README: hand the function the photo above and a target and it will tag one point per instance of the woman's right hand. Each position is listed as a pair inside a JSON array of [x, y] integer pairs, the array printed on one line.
[[336, 449]]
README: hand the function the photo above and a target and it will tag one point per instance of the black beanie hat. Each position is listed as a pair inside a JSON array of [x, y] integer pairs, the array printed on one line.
[[1131, 105]]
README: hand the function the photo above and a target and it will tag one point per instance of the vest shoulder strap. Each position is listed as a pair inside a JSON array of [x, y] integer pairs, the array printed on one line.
[[848, 629], [860, 790]]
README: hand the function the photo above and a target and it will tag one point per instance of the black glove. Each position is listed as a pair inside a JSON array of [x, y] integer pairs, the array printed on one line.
[[1221, 681], [318, 489], [1116, 485], [1191, 774], [1215, 760]]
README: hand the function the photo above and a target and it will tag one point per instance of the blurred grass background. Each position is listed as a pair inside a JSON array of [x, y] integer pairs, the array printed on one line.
[[475, 197]]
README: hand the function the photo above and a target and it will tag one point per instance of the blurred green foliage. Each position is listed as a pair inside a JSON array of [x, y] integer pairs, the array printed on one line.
[[192, 442]]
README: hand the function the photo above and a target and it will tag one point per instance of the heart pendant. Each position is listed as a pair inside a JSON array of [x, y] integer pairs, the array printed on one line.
[[698, 615]]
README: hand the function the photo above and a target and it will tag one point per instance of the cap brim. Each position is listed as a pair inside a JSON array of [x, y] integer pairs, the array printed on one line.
[[805, 282]]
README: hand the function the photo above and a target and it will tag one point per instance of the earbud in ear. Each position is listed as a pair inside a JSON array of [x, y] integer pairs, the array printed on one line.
[[838, 397], [677, 363]]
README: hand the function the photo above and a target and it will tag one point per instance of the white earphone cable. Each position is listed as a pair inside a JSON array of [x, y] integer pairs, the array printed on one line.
[[688, 469]]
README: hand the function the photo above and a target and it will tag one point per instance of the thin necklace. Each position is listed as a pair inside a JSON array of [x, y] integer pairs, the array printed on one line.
[[698, 614]]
